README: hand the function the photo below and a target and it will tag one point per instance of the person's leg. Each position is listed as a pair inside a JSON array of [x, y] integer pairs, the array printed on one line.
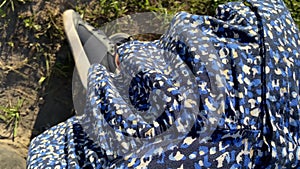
[[90, 45]]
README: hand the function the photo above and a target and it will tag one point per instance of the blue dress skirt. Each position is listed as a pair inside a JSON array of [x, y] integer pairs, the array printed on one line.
[[212, 92]]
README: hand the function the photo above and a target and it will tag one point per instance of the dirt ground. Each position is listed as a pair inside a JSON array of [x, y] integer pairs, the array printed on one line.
[[26, 59]]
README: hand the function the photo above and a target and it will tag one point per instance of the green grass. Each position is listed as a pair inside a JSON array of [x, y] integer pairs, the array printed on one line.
[[11, 116], [102, 11], [11, 4]]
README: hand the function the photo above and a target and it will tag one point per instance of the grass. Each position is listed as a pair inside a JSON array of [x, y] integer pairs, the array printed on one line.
[[11, 116], [11, 3]]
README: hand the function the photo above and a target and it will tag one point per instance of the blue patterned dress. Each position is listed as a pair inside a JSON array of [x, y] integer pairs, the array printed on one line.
[[236, 75]]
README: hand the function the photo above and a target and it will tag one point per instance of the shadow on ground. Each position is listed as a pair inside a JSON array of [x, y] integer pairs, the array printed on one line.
[[55, 102]]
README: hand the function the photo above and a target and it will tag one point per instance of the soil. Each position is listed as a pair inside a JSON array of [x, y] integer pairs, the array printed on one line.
[[26, 56]]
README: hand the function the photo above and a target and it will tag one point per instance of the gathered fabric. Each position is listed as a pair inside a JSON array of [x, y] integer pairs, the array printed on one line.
[[226, 94]]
